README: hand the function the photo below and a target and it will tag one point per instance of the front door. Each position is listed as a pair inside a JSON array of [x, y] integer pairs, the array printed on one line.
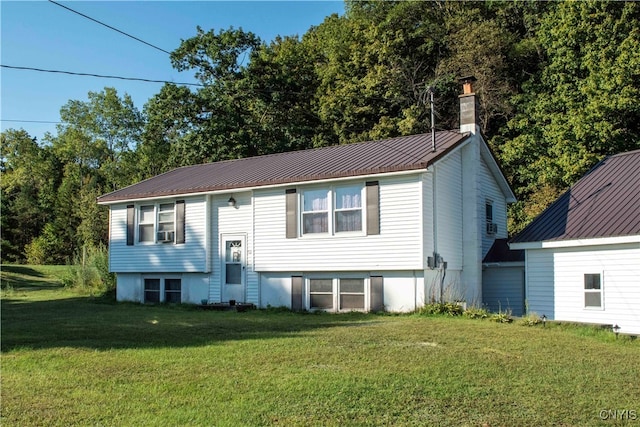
[[233, 268]]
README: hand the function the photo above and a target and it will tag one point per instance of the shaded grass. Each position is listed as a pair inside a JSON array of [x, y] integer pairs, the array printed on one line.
[[23, 277], [74, 360]]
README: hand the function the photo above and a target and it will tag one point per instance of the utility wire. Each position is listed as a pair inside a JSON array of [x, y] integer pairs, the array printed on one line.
[[110, 27], [98, 75], [29, 121]]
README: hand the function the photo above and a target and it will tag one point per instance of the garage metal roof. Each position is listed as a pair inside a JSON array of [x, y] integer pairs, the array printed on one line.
[[603, 203]]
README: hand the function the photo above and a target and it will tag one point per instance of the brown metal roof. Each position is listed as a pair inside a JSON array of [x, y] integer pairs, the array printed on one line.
[[500, 252], [365, 158], [603, 203]]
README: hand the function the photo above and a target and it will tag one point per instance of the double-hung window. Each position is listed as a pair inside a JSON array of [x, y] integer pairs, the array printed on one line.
[[592, 291], [348, 208], [334, 210], [166, 224], [492, 227], [146, 223], [315, 212], [156, 223]]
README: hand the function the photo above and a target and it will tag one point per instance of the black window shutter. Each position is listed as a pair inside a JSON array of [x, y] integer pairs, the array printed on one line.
[[180, 222], [373, 207], [296, 293], [292, 213], [131, 224], [376, 294]]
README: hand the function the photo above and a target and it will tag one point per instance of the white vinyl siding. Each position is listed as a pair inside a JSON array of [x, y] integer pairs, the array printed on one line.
[[490, 191], [449, 200], [539, 282], [142, 258], [619, 269], [503, 289], [398, 246], [619, 266], [232, 220]]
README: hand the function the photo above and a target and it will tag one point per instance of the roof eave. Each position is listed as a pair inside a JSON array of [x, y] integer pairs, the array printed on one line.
[[105, 200], [567, 243]]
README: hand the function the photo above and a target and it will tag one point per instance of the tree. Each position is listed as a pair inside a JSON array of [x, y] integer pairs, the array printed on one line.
[[581, 106], [29, 179], [172, 119], [101, 133]]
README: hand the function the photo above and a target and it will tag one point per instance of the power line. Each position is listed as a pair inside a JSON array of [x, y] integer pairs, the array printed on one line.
[[110, 27], [29, 121], [98, 75]]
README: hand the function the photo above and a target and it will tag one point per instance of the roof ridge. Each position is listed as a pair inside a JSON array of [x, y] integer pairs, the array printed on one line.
[[401, 153], [307, 150], [624, 153]]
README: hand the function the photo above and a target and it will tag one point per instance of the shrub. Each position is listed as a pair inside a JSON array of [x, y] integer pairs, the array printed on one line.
[[90, 272], [476, 313], [502, 317], [43, 248], [446, 308], [530, 319]]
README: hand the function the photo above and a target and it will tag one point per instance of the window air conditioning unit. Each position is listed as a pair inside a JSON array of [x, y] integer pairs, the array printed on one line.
[[492, 228], [166, 236]]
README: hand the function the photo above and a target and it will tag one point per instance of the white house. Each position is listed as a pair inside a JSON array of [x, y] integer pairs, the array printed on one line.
[[386, 224], [582, 254]]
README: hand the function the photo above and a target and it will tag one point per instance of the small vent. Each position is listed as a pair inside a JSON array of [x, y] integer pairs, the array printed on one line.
[[166, 236], [492, 228]]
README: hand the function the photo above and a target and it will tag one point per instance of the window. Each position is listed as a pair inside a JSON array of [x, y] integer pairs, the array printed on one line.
[[333, 210], [166, 225], [344, 203], [151, 290], [146, 223], [162, 290], [338, 294], [592, 291], [172, 290], [321, 294], [315, 213], [492, 227], [161, 223], [348, 211], [351, 294]]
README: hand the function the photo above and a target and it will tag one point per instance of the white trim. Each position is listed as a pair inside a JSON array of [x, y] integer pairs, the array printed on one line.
[[598, 241]]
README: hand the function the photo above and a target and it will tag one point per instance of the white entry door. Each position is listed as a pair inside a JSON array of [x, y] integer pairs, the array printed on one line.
[[233, 268]]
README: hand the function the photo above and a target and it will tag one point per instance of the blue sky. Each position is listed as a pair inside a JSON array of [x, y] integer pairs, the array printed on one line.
[[40, 34]]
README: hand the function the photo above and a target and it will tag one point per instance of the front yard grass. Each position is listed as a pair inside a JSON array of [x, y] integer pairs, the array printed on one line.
[[77, 360]]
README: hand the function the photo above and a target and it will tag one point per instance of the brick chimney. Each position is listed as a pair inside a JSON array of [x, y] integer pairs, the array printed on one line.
[[468, 106]]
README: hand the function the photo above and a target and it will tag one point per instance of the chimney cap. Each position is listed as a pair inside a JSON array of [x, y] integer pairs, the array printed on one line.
[[467, 85]]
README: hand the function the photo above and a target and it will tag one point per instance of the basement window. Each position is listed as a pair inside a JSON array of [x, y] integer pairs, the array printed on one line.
[[337, 294], [157, 290]]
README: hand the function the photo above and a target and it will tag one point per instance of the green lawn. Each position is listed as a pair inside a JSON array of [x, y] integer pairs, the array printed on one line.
[[75, 360]]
